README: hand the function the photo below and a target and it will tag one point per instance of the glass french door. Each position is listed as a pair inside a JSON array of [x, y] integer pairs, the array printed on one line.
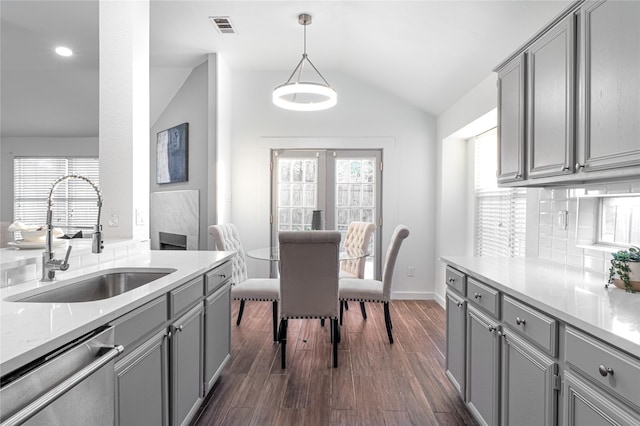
[[346, 185]]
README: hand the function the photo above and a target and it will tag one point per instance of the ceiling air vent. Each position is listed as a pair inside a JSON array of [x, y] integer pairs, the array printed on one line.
[[223, 24]]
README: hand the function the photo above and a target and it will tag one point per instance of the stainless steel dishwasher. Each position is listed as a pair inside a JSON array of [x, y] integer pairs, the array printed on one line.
[[73, 385]]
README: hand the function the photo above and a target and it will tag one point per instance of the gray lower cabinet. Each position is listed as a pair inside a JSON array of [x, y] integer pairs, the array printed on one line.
[[142, 384], [585, 404], [186, 369], [483, 367], [217, 334], [530, 383], [456, 340]]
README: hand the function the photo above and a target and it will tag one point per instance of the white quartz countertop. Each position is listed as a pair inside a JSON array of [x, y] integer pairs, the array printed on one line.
[[30, 330], [572, 295]]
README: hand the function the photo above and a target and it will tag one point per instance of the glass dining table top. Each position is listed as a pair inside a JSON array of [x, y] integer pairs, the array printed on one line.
[[273, 253]]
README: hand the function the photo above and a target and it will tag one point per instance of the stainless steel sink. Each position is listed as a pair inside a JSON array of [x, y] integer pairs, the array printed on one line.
[[97, 286]]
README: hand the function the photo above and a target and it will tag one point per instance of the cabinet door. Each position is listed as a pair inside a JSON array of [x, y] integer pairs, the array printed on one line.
[[550, 81], [511, 121], [483, 367], [456, 341], [217, 332], [142, 385], [585, 404], [610, 88], [186, 365], [529, 384]]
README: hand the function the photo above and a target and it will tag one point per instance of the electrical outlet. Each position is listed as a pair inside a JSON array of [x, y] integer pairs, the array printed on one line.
[[139, 217], [114, 218], [411, 271], [562, 219]]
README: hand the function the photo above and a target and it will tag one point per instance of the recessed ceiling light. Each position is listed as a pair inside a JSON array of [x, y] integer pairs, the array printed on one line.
[[64, 51]]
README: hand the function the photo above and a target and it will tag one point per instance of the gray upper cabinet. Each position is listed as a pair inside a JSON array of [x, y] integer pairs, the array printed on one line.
[[511, 120], [609, 121], [550, 104], [579, 118]]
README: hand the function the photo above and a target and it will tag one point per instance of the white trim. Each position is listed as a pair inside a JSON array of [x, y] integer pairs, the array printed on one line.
[[413, 295]]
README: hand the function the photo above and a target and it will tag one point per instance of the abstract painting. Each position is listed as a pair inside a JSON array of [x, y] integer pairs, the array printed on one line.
[[172, 154]]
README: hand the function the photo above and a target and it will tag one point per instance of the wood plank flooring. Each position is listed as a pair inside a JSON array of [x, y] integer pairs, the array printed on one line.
[[376, 383]]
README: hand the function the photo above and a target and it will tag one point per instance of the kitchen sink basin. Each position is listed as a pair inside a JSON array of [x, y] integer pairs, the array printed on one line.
[[97, 286]]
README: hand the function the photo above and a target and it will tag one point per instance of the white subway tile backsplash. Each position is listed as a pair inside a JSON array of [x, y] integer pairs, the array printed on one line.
[[560, 245]]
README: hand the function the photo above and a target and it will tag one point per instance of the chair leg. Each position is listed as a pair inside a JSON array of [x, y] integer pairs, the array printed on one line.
[[346, 305], [240, 312], [283, 342], [387, 321], [364, 310], [275, 320], [336, 339], [342, 303], [321, 322]]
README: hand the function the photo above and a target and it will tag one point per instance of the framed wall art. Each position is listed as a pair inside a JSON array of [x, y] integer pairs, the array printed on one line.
[[172, 154]]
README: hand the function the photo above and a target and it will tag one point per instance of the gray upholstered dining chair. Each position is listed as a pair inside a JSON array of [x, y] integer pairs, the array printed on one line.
[[226, 237], [357, 237], [368, 290], [309, 270]]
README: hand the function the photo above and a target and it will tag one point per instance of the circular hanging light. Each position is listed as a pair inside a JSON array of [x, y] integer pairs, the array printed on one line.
[[302, 95]]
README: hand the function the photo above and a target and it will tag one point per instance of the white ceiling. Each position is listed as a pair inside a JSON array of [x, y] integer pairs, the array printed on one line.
[[429, 53]]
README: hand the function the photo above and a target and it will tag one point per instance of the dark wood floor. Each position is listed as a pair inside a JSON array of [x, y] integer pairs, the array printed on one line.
[[376, 383]]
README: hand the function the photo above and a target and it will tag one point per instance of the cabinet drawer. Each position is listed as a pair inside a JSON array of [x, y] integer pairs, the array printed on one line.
[[140, 322], [483, 296], [616, 371], [185, 296], [215, 277], [536, 326], [456, 280]]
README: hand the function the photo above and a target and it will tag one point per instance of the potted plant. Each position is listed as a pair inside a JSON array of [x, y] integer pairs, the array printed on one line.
[[625, 269]]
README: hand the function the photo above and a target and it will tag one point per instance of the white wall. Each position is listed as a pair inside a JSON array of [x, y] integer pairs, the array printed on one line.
[[453, 174], [190, 105], [363, 112], [36, 147]]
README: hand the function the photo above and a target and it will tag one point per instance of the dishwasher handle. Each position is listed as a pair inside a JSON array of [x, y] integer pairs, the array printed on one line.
[[55, 393]]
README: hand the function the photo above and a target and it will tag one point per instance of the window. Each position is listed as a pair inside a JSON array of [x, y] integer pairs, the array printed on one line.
[[619, 221], [74, 201], [499, 213]]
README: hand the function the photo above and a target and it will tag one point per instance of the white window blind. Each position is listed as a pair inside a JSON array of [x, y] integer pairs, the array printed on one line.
[[74, 200], [500, 213]]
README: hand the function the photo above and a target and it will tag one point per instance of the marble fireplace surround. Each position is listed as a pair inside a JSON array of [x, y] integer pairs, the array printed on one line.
[[175, 212]]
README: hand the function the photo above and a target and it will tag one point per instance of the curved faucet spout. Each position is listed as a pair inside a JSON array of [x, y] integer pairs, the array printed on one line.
[[49, 263]]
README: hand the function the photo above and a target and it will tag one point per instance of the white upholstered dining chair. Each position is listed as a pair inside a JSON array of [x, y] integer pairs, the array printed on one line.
[[226, 237], [368, 290], [357, 237], [309, 270]]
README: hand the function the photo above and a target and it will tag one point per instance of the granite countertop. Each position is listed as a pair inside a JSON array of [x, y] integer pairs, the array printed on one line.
[[572, 295], [30, 330]]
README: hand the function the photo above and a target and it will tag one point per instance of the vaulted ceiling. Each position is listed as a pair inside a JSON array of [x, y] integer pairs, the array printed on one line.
[[429, 53]]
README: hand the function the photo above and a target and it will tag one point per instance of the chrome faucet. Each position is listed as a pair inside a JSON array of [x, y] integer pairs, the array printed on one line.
[[49, 263]]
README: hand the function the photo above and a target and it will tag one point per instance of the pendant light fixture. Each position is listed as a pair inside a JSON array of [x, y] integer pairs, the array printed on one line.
[[299, 95]]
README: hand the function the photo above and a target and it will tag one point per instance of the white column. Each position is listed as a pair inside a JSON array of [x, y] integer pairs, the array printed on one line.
[[124, 118]]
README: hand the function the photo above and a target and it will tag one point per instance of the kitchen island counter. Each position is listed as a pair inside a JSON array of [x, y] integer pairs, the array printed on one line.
[[31, 330]]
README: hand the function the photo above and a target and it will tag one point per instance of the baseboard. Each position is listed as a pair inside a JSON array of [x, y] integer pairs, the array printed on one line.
[[441, 301], [412, 295]]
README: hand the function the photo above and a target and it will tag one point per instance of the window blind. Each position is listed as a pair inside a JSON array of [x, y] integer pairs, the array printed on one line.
[[499, 213], [74, 200]]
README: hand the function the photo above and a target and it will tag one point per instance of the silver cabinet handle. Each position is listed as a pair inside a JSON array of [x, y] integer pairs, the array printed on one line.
[[477, 296], [178, 328], [605, 371], [36, 406], [492, 328], [565, 169], [459, 304], [451, 280], [579, 166], [518, 176], [520, 321]]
